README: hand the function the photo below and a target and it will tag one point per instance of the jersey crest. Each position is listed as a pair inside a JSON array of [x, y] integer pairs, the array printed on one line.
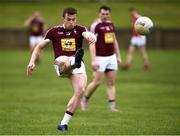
[[108, 38], [68, 44]]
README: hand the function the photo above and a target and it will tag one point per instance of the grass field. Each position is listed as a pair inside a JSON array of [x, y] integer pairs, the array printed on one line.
[[149, 100], [163, 14]]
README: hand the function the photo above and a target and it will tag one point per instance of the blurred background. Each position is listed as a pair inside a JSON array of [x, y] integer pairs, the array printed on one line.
[[164, 13], [149, 100]]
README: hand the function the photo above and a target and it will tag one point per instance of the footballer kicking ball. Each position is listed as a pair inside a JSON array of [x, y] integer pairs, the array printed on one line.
[[143, 25]]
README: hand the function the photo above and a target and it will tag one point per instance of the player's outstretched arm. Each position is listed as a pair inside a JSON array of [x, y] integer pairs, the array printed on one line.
[[35, 54], [28, 21]]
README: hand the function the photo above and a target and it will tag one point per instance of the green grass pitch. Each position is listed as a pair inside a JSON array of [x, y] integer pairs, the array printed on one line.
[[149, 100]]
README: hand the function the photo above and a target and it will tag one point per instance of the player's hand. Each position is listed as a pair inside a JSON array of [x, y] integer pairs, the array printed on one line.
[[30, 68], [91, 39], [95, 66]]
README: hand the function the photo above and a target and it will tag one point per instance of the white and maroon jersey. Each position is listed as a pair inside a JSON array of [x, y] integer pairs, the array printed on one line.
[[105, 37], [65, 42], [134, 18]]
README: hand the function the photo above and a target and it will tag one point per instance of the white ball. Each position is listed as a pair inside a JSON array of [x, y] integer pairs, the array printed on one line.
[[143, 25]]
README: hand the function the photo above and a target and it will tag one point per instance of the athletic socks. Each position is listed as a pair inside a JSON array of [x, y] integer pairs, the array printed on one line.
[[85, 99], [112, 104], [67, 116]]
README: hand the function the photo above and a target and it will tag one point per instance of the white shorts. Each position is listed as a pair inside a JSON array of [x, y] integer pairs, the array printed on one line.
[[138, 41], [109, 62], [34, 40], [80, 70]]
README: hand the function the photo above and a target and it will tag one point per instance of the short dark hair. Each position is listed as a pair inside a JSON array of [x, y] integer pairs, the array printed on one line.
[[70, 11], [105, 8]]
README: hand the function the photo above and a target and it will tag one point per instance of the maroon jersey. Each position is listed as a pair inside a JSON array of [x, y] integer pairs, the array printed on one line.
[[134, 18], [105, 37], [65, 42], [37, 27]]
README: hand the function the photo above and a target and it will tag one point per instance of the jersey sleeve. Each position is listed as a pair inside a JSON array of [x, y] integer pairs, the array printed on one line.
[[92, 28], [49, 34], [83, 29]]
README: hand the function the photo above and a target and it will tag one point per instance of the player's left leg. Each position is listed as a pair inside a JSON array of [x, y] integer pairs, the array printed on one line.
[[98, 77], [145, 57], [111, 89], [78, 82]]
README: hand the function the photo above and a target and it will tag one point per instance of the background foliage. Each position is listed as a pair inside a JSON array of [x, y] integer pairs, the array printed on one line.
[[163, 14]]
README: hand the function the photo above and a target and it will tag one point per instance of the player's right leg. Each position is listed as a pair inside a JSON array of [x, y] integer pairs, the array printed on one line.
[[131, 51], [111, 90], [64, 64], [98, 77]]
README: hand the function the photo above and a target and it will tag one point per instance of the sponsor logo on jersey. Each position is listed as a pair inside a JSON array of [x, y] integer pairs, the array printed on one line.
[[68, 44]]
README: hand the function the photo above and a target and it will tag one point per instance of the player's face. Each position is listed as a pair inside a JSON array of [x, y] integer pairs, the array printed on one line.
[[104, 15], [69, 21]]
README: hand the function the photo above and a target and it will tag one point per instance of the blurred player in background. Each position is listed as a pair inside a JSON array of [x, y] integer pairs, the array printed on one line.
[[67, 41], [36, 26], [138, 41], [107, 57]]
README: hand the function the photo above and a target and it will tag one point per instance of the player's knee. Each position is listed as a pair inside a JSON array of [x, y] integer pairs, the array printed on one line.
[[80, 91], [110, 83], [97, 82], [61, 60], [59, 63]]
